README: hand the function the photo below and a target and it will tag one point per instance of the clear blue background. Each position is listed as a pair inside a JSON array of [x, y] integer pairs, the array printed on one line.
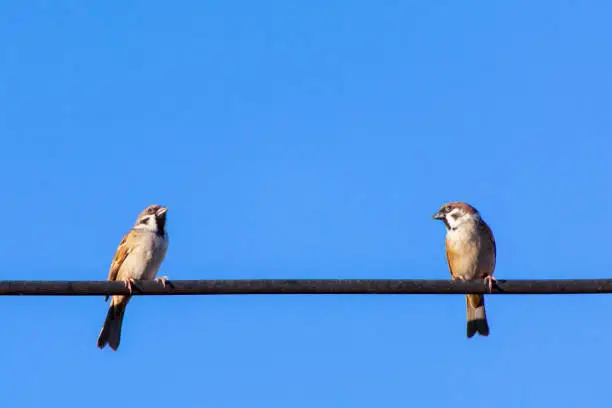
[[305, 140]]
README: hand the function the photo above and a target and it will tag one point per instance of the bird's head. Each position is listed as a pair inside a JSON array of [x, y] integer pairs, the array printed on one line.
[[455, 214], [152, 218]]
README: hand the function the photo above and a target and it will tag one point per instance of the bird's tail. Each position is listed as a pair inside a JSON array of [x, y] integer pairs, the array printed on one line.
[[111, 331], [476, 315]]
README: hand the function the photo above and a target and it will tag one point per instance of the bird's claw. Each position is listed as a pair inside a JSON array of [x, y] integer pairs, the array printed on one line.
[[129, 283], [162, 280], [489, 282]]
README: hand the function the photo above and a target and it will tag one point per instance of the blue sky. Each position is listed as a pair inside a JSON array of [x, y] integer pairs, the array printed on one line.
[[306, 140]]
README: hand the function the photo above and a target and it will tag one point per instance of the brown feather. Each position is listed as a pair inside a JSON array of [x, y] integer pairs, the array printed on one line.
[[476, 316], [487, 267], [123, 250], [475, 300], [111, 330]]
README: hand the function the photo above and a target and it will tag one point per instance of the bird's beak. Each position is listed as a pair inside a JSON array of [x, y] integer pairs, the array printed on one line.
[[161, 211], [438, 216]]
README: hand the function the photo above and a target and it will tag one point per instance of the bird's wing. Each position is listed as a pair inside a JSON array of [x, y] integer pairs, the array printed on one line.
[[490, 247], [122, 252]]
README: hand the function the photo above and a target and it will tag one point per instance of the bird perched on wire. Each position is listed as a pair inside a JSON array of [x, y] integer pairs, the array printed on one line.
[[471, 253], [138, 257]]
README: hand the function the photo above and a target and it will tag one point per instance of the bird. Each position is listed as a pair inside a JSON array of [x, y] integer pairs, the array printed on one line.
[[138, 257], [471, 255]]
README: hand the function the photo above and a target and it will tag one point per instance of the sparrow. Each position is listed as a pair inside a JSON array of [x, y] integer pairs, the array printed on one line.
[[470, 253], [138, 257]]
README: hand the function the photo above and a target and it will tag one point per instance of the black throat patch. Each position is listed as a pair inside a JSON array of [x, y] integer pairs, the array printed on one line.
[[161, 225]]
